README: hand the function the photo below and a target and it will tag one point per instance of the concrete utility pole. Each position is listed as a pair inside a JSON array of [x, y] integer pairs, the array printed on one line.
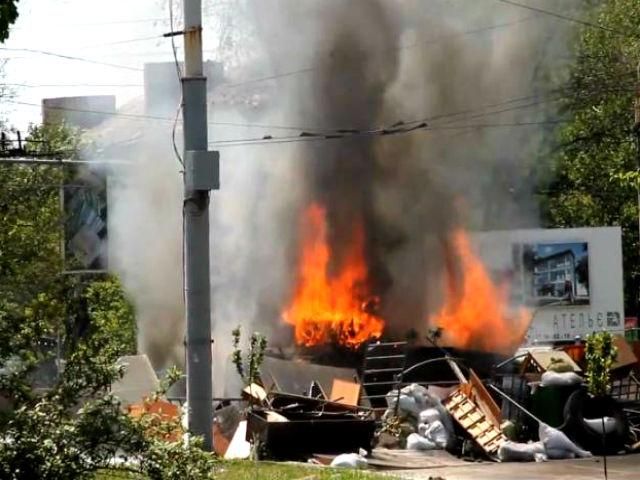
[[201, 174]]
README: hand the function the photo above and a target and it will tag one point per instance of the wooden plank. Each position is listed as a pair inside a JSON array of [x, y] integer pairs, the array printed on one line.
[[484, 399], [345, 392]]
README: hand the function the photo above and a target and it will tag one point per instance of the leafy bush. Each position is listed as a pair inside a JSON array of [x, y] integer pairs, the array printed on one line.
[[249, 368], [600, 354]]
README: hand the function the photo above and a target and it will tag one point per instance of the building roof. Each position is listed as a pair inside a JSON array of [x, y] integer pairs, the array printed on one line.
[[561, 253], [138, 382]]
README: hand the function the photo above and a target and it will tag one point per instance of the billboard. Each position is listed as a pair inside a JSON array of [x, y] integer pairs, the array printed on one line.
[[552, 273], [85, 226], [569, 279]]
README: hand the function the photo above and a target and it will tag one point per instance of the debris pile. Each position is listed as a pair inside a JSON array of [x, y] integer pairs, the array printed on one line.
[[423, 421], [284, 426]]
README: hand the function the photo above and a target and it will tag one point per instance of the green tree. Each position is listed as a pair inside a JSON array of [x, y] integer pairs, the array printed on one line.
[[112, 312], [30, 236], [596, 152], [31, 260], [8, 16]]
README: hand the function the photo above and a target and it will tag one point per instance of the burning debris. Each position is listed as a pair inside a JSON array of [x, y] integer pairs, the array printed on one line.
[[338, 307], [476, 313]]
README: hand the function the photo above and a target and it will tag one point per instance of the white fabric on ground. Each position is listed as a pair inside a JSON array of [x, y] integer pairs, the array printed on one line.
[[349, 460]]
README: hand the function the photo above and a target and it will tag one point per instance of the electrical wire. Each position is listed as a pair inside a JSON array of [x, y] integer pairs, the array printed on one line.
[[70, 85], [327, 134], [70, 57], [567, 18], [462, 115], [123, 42], [319, 137], [179, 73]]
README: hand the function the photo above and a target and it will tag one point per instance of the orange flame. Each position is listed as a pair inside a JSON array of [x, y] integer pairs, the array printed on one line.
[[476, 313], [331, 308]]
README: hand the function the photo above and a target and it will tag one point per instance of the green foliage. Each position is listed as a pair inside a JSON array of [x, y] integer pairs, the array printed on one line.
[[113, 313], [249, 368], [8, 16], [177, 461], [58, 419], [76, 428], [600, 354], [68, 430], [595, 167]]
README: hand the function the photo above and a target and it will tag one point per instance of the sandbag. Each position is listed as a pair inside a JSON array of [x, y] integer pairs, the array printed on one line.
[[555, 454], [412, 400], [418, 442], [429, 415], [521, 452], [560, 379], [557, 442], [435, 432], [349, 460]]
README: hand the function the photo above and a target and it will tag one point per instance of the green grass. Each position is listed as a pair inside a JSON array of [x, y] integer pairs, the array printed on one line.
[[248, 470], [287, 471]]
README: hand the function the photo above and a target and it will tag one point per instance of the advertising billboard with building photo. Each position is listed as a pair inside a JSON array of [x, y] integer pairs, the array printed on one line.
[[552, 273], [85, 228], [556, 273]]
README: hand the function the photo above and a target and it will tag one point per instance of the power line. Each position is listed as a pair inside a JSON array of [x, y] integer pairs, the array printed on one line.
[[325, 137], [566, 17], [307, 131], [69, 85], [122, 42], [70, 57]]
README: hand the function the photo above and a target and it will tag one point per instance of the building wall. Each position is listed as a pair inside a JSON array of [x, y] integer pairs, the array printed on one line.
[[83, 112]]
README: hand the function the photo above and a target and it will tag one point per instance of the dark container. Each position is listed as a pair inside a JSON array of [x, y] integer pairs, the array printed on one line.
[[303, 436]]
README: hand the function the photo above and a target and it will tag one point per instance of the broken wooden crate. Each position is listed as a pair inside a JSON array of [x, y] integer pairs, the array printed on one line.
[[474, 410]]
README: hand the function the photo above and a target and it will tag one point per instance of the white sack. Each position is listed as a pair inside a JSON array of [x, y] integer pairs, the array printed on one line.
[[556, 442], [418, 442], [564, 379], [521, 452], [429, 415], [349, 460]]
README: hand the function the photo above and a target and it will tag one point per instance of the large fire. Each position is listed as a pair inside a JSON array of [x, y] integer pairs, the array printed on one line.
[[331, 307], [476, 313]]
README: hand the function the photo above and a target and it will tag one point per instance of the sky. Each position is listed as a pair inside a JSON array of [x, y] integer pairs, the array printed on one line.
[[113, 31], [579, 249]]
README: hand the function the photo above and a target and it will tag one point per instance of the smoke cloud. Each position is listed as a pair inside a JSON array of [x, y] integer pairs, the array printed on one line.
[[467, 70]]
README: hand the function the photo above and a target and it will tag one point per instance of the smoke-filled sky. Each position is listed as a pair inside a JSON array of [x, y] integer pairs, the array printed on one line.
[[475, 70]]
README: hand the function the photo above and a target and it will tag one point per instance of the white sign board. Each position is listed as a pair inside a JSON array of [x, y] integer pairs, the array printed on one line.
[[570, 279]]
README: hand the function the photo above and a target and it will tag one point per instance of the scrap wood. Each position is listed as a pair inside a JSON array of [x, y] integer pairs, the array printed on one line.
[[347, 393], [275, 417], [282, 401], [255, 392], [456, 370], [220, 442], [473, 420], [483, 399]]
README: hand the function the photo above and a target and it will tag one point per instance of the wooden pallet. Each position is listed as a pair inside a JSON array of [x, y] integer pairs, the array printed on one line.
[[472, 419]]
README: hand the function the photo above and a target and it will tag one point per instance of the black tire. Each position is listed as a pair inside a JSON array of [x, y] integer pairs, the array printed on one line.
[[580, 406]]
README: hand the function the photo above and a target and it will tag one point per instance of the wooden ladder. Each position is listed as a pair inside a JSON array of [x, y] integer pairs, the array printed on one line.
[[471, 418]]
